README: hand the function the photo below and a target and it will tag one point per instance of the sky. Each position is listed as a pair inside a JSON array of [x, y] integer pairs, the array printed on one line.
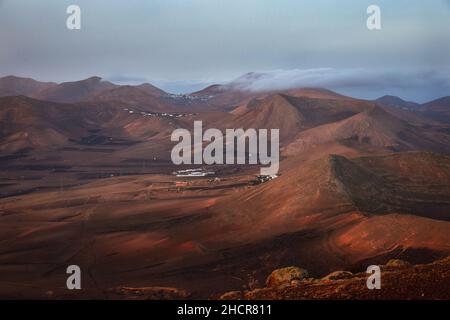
[[184, 45]]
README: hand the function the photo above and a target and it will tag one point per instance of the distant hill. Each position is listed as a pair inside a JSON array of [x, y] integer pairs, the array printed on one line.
[[16, 86], [438, 109], [74, 91], [393, 101], [293, 114]]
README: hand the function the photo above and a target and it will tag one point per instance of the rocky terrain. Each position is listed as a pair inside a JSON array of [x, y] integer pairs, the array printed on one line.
[[87, 179], [400, 280]]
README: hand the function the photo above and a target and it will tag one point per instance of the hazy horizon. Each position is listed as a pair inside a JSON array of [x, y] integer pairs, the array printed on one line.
[[200, 86], [184, 46]]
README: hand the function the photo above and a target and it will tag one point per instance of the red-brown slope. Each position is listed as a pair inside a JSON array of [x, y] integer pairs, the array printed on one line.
[[210, 237], [336, 185], [228, 97], [139, 98], [396, 102], [75, 91], [30, 123], [438, 110], [15, 86], [419, 282], [342, 203], [151, 90], [274, 112], [291, 114], [375, 130]]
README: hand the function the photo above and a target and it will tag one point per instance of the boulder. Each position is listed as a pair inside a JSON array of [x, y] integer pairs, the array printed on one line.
[[285, 276], [397, 263], [338, 275]]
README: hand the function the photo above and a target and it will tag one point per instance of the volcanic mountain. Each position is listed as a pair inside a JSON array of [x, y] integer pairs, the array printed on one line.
[[27, 123], [318, 126], [438, 109], [151, 90], [372, 130], [35, 124], [15, 86], [293, 114], [329, 214], [137, 96], [343, 204], [76, 90], [393, 101], [227, 97], [89, 181], [258, 82]]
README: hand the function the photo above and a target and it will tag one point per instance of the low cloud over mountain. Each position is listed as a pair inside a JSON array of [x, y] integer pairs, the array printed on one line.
[[366, 82]]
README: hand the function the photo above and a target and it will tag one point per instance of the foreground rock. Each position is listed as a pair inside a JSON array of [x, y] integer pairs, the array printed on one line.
[[282, 276], [148, 293], [338, 275], [397, 263], [424, 282]]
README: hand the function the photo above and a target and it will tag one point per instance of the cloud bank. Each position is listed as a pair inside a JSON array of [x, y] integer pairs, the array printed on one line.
[[359, 82]]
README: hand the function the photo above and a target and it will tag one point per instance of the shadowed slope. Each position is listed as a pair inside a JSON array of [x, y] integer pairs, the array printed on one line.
[[371, 130]]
